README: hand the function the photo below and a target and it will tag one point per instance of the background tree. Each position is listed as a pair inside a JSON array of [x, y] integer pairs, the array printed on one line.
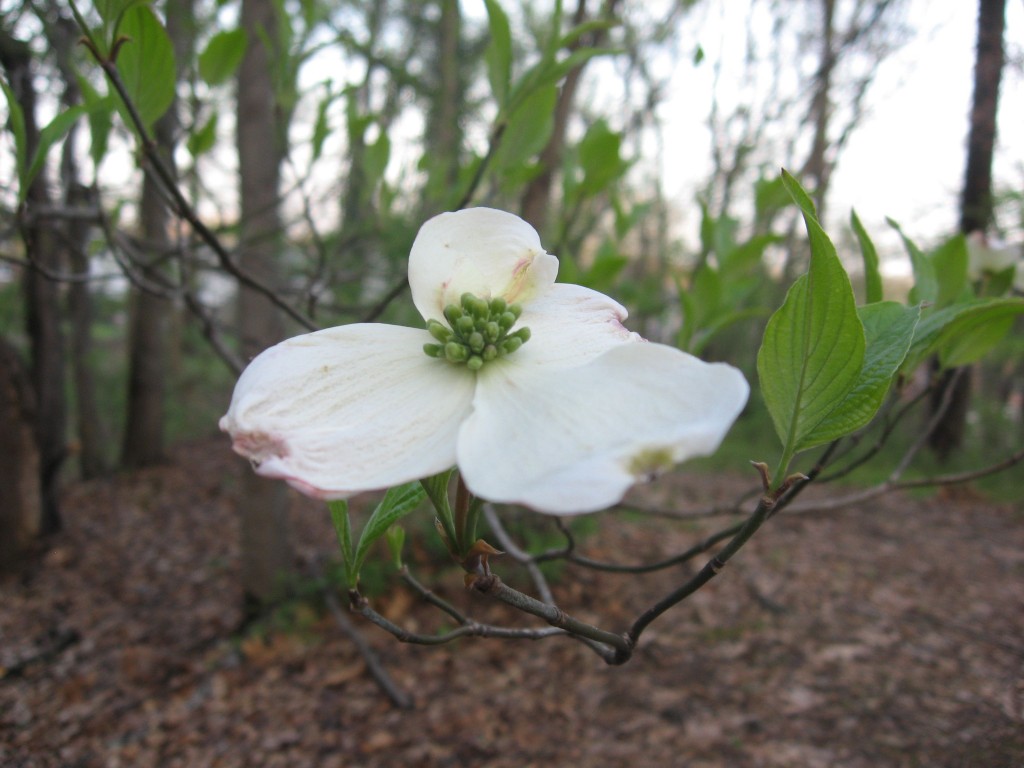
[[976, 208]]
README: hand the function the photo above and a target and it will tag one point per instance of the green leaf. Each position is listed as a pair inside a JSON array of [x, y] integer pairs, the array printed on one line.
[[872, 274], [529, 128], [101, 111], [375, 160], [607, 265], [321, 126], [889, 330], [343, 528], [146, 64], [972, 334], [599, 157], [396, 504], [53, 132], [949, 261], [396, 541], [813, 347], [222, 56], [201, 140], [499, 52], [926, 282], [16, 124], [436, 488]]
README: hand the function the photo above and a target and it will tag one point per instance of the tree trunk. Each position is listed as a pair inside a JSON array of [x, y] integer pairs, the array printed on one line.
[[262, 506], [42, 299], [976, 202], [151, 314], [20, 498]]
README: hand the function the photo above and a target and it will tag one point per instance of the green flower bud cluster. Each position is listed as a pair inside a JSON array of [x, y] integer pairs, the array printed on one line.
[[478, 331]]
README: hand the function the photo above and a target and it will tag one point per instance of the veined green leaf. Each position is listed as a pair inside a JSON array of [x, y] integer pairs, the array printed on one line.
[[814, 344], [146, 63], [222, 56], [889, 330], [872, 274], [396, 504]]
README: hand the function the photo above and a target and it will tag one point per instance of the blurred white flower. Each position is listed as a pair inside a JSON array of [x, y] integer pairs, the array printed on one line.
[[985, 254]]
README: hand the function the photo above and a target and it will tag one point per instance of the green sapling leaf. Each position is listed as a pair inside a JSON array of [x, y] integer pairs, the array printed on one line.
[[222, 56], [889, 330], [146, 63], [872, 274], [396, 504], [813, 347], [343, 528]]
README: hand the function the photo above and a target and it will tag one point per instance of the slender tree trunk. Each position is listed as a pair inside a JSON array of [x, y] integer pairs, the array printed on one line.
[[150, 335], [262, 506], [92, 433], [976, 201], [20, 498], [444, 130], [42, 299]]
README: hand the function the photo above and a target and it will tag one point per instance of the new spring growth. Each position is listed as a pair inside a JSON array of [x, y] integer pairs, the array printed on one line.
[[478, 331]]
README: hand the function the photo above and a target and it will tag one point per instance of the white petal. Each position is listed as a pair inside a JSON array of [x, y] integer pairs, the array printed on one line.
[[574, 440], [486, 252], [570, 325], [349, 409]]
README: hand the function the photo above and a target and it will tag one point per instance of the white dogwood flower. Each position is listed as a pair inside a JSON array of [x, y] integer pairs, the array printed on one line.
[[533, 389]]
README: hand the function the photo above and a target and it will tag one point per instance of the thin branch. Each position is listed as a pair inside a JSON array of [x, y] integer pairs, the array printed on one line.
[[181, 205], [518, 554], [398, 697]]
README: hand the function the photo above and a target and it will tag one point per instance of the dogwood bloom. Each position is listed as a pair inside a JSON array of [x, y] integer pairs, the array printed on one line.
[[533, 389], [990, 255]]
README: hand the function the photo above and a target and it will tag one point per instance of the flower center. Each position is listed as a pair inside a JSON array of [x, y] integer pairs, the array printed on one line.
[[478, 331]]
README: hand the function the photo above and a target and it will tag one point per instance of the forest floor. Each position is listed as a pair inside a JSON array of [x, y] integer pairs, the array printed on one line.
[[890, 634]]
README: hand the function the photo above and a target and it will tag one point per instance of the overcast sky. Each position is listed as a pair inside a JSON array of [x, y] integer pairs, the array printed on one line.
[[906, 161]]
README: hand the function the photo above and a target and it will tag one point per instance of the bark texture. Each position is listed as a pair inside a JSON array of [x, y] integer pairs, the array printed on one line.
[[262, 505]]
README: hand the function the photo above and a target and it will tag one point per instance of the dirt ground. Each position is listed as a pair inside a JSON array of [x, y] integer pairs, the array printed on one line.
[[886, 635]]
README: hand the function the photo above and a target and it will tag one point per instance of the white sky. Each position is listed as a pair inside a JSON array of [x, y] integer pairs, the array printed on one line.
[[906, 160]]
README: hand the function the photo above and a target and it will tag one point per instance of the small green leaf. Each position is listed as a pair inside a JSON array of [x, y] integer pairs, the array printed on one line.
[[396, 541], [529, 128], [375, 161], [499, 52], [16, 124], [958, 333], [343, 528], [101, 112], [949, 262], [222, 56], [436, 488], [813, 347], [889, 329], [396, 504], [321, 126], [201, 140], [973, 333], [926, 283], [53, 132], [146, 63], [599, 157], [872, 274]]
